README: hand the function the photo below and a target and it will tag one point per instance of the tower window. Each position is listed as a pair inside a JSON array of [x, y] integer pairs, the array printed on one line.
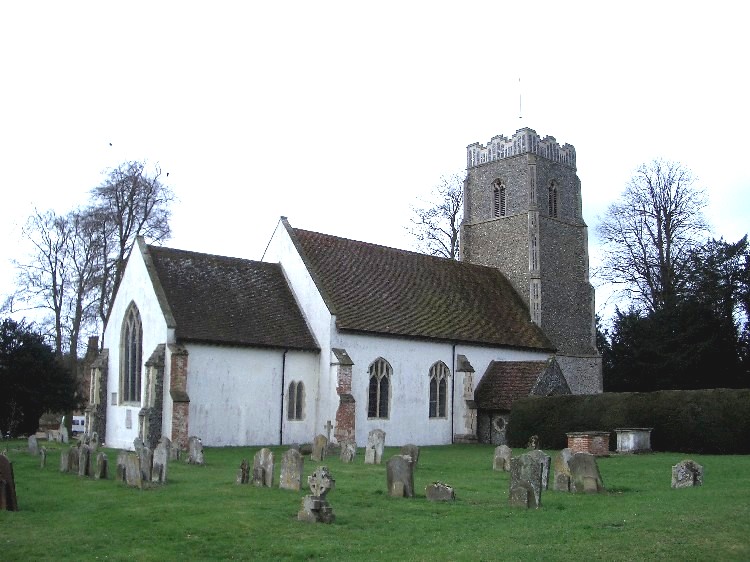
[[379, 391], [439, 373], [553, 199], [130, 355], [498, 199]]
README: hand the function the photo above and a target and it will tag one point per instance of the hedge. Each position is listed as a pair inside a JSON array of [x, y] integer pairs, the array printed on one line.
[[715, 421]]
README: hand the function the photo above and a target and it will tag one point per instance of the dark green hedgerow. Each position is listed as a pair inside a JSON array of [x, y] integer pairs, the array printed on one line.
[[715, 421]]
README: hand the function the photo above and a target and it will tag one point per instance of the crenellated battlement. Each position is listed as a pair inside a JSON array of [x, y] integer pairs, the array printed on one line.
[[523, 141]]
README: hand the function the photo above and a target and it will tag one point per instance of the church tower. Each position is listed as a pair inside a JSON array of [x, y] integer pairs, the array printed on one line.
[[522, 214]]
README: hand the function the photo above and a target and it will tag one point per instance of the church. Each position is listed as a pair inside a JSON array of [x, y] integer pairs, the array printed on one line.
[[336, 336]]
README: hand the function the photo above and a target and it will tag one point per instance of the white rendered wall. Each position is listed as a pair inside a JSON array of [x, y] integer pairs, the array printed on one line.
[[135, 287], [236, 394], [319, 320], [408, 420]]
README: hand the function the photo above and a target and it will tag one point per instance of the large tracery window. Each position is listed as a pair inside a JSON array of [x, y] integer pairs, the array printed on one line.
[[296, 400], [380, 387], [553, 199], [439, 374], [131, 355], [498, 199]]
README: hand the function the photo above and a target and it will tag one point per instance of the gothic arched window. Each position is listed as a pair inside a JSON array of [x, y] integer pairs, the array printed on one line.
[[439, 374], [296, 400], [498, 199], [553, 199], [380, 389], [131, 353]]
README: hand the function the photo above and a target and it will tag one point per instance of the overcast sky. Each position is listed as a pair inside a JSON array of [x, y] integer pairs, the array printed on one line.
[[340, 115]]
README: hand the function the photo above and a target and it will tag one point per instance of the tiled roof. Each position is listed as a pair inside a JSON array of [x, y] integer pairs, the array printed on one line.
[[232, 301], [506, 381], [376, 289]]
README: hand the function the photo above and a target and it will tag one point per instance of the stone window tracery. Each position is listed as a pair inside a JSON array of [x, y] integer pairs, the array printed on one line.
[[498, 199], [439, 374], [131, 349], [553, 199], [379, 389], [296, 400]]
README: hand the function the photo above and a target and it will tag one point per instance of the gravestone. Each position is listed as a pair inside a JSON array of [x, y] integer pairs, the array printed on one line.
[[544, 459], [8, 499], [263, 468], [315, 507], [33, 445], [146, 456], [138, 444], [561, 468], [195, 450], [64, 461], [375, 446], [43, 455], [101, 471], [94, 443], [292, 465], [501, 460], [348, 452], [584, 474], [160, 462], [533, 442], [84, 454], [522, 494], [122, 463], [686, 474], [243, 474], [133, 471], [73, 456], [400, 476], [320, 444], [411, 451], [528, 469], [439, 492], [64, 437]]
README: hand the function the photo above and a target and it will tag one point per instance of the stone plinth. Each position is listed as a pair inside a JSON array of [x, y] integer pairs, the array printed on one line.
[[634, 439], [593, 442]]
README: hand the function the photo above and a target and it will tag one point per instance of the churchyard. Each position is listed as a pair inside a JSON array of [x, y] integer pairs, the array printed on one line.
[[202, 512]]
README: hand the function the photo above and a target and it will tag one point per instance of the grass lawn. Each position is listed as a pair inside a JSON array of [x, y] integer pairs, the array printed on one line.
[[201, 514]]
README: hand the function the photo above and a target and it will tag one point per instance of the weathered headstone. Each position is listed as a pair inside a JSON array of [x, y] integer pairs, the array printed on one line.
[[64, 461], [84, 454], [94, 443], [319, 450], [147, 463], [8, 499], [544, 459], [400, 476], [122, 466], [243, 474], [43, 455], [315, 507], [160, 462], [501, 460], [263, 468], [101, 471], [526, 468], [348, 452], [133, 471], [686, 474], [411, 451], [533, 442], [522, 494], [33, 445], [292, 465], [73, 456], [584, 474], [306, 448], [375, 446], [439, 492], [64, 436], [195, 450], [138, 444], [562, 475]]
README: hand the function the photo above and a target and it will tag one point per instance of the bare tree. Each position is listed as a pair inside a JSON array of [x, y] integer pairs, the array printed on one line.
[[436, 223], [132, 201], [649, 234]]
